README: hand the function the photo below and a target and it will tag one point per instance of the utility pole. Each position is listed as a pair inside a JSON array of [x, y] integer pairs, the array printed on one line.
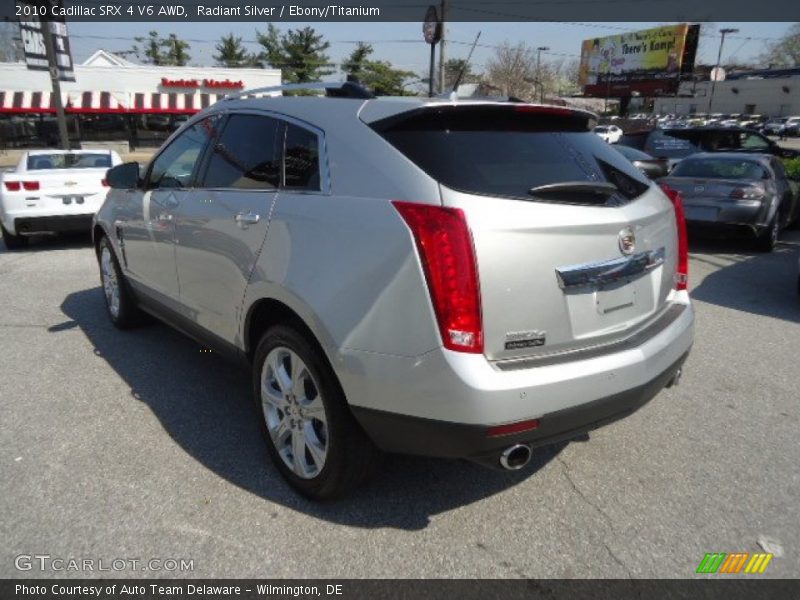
[[442, 44], [53, 68], [724, 32], [539, 51]]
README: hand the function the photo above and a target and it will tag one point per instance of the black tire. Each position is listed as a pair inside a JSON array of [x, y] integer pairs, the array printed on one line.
[[13, 242], [350, 457], [127, 313], [768, 237]]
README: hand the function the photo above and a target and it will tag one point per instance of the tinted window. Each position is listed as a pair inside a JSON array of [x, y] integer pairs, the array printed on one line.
[[174, 166], [301, 169], [752, 141], [506, 152], [715, 168], [69, 161], [246, 155]]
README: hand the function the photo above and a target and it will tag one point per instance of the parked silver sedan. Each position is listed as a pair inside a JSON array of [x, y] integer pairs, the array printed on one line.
[[429, 276], [731, 191]]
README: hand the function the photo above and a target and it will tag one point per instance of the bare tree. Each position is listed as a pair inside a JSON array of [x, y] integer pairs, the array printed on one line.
[[512, 70], [784, 52], [565, 80]]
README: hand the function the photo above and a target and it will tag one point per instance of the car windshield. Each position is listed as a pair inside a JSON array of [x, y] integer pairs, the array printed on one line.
[[69, 161], [716, 168]]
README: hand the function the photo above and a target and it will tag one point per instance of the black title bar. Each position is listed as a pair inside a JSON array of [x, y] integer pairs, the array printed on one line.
[[405, 10]]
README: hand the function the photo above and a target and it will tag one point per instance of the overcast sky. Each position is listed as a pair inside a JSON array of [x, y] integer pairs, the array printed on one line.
[[401, 43]]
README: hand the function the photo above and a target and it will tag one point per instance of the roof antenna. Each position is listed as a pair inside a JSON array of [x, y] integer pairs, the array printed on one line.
[[465, 66]]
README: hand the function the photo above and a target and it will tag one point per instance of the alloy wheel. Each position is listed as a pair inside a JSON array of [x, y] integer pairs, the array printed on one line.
[[294, 412]]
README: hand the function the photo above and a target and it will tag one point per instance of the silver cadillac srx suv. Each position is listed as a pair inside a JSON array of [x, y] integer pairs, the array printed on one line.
[[439, 277]]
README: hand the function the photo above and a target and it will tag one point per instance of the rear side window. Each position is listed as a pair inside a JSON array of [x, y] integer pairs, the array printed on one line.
[[507, 150], [301, 162], [246, 155]]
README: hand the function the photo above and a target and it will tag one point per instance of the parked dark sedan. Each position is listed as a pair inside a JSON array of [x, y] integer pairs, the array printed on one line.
[[733, 191], [650, 166], [677, 144]]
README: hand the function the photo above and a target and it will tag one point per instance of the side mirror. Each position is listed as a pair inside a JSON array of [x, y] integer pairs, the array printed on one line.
[[124, 176]]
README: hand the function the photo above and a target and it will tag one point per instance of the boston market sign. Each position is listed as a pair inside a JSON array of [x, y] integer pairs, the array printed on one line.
[[213, 84]]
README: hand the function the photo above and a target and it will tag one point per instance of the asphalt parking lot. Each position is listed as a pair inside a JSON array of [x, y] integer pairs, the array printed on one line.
[[139, 445]]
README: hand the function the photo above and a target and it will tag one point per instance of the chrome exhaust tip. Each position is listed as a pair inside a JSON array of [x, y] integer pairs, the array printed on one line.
[[515, 457], [676, 379]]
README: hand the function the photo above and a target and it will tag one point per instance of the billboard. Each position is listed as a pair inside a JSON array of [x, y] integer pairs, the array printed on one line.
[[649, 62]]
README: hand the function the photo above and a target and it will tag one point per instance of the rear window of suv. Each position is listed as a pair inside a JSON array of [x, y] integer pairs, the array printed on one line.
[[507, 150]]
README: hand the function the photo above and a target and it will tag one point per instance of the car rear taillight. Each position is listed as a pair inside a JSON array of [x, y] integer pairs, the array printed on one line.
[[13, 186], [445, 247], [30, 186], [104, 182], [682, 268], [747, 193]]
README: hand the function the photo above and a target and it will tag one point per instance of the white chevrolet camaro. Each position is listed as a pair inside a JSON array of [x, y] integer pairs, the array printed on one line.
[[52, 191]]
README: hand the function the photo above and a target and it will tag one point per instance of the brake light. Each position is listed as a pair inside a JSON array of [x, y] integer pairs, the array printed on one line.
[[747, 193], [12, 186], [445, 247], [30, 186], [104, 182], [682, 269]]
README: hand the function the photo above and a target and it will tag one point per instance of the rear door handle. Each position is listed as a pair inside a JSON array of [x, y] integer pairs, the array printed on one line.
[[247, 218]]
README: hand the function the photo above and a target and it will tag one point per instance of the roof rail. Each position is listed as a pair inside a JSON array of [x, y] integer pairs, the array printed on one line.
[[335, 89]]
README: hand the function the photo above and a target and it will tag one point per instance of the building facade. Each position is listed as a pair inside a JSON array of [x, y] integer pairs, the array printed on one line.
[[113, 99], [774, 93]]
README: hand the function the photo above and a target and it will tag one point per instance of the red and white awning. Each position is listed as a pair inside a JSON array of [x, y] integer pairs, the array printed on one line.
[[171, 102], [16, 102]]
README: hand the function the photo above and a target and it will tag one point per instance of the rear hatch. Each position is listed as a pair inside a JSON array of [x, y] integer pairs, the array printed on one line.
[[574, 246]]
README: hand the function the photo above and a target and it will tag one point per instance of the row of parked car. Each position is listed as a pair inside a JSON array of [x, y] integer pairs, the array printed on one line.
[[787, 126], [733, 180]]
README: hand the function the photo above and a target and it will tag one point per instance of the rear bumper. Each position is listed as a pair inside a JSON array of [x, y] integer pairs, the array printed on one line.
[[441, 403], [53, 224], [428, 437], [749, 214]]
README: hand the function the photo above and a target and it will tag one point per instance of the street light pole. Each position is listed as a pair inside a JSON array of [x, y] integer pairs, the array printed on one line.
[[723, 32], [539, 51]]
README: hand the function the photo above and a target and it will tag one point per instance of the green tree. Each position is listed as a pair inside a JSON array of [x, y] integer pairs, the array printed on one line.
[[354, 63], [231, 52], [149, 49], [784, 52], [299, 53], [378, 75], [176, 51], [154, 49]]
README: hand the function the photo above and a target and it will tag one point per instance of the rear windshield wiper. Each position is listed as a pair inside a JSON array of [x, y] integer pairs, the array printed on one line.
[[599, 188]]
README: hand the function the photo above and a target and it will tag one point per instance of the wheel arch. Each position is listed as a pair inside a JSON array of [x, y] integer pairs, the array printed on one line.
[[268, 312]]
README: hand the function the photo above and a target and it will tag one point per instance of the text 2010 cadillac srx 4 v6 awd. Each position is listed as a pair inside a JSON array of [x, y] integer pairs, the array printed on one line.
[[428, 276]]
